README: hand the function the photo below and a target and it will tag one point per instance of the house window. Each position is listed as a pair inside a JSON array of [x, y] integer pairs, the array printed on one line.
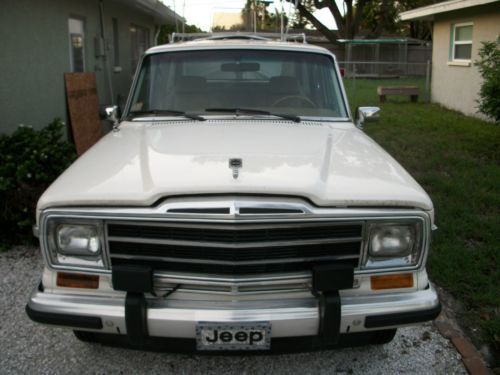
[[76, 44], [462, 42], [139, 37], [116, 43]]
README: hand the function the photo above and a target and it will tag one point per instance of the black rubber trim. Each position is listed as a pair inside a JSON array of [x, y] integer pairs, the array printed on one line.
[[330, 317], [75, 321], [136, 318], [377, 321]]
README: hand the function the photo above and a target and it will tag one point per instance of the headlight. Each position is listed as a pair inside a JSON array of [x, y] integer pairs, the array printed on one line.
[[78, 239], [391, 241], [75, 243], [394, 245]]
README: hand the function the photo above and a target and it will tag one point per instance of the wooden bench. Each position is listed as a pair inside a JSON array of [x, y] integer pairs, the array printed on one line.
[[411, 91]]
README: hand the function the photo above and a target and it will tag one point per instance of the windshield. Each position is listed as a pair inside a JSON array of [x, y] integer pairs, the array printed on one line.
[[204, 82]]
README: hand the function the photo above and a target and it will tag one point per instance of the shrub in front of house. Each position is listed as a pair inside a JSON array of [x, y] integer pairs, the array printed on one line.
[[489, 67], [29, 161]]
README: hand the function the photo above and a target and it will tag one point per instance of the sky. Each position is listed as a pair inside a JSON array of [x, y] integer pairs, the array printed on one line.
[[200, 12]]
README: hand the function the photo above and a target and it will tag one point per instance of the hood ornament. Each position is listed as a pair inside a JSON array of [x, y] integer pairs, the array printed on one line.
[[235, 164]]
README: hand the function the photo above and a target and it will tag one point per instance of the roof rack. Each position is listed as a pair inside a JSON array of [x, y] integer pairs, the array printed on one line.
[[184, 37]]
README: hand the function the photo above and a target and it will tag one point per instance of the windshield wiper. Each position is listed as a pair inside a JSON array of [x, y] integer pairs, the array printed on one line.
[[165, 112], [250, 111]]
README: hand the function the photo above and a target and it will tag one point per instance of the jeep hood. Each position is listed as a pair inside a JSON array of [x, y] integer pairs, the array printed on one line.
[[331, 164]]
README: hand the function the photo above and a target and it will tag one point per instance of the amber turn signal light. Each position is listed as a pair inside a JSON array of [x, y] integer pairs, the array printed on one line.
[[400, 280], [73, 280]]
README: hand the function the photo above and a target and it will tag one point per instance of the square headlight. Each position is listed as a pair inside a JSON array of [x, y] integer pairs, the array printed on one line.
[[394, 244], [391, 240], [82, 239], [75, 243]]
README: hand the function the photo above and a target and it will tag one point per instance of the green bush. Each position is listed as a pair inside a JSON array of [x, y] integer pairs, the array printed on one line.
[[489, 67], [29, 161]]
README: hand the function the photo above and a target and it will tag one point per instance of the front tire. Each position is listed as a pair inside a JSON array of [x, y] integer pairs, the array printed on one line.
[[383, 337], [85, 336]]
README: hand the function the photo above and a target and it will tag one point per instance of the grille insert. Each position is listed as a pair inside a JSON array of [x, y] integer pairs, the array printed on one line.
[[234, 249], [235, 233], [123, 249]]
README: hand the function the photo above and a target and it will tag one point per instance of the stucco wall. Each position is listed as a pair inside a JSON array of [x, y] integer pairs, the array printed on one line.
[[35, 54], [456, 87]]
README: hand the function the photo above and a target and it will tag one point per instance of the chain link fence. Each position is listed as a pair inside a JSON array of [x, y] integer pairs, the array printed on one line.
[[362, 78]]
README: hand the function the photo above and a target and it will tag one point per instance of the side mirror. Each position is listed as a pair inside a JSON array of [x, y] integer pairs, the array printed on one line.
[[366, 114], [112, 115]]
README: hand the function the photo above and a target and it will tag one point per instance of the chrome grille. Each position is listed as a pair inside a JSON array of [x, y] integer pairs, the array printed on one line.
[[234, 249]]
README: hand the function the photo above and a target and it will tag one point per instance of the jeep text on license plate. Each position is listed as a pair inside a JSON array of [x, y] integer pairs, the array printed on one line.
[[241, 336]]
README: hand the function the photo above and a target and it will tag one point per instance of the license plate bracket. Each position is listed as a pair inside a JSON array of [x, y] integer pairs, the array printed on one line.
[[237, 336]]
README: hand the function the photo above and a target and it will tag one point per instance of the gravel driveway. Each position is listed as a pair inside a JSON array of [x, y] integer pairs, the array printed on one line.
[[26, 347]]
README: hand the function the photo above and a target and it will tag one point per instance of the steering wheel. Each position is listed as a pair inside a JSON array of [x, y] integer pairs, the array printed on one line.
[[292, 97]]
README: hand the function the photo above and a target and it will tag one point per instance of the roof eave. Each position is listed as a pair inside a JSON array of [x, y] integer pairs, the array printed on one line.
[[160, 12], [416, 18], [428, 13]]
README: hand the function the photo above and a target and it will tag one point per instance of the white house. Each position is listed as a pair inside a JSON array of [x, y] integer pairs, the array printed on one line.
[[459, 27]]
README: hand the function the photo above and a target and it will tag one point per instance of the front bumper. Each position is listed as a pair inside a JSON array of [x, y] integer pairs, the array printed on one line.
[[289, 318]]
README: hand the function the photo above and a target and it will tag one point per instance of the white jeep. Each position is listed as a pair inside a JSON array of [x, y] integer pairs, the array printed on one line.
[[236, 205]]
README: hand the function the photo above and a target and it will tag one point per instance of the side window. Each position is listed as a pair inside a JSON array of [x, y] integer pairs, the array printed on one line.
[[461, 42], [76, 44], [139, 38]]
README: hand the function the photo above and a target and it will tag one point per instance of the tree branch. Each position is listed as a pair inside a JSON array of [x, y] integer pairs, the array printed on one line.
[[335, 11], [329, 34], [320, 4], [348, 24]]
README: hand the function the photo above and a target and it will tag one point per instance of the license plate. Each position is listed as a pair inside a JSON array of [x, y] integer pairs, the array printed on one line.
[[241, 336]]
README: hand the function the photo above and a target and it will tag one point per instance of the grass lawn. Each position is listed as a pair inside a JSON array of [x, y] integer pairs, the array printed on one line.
[[457, 161]]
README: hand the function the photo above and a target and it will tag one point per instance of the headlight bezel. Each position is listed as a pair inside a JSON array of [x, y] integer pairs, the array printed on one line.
[[372, 264], [62, 260]]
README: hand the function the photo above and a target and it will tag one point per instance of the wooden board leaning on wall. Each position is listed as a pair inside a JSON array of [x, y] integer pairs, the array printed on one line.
[[83, 107]]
